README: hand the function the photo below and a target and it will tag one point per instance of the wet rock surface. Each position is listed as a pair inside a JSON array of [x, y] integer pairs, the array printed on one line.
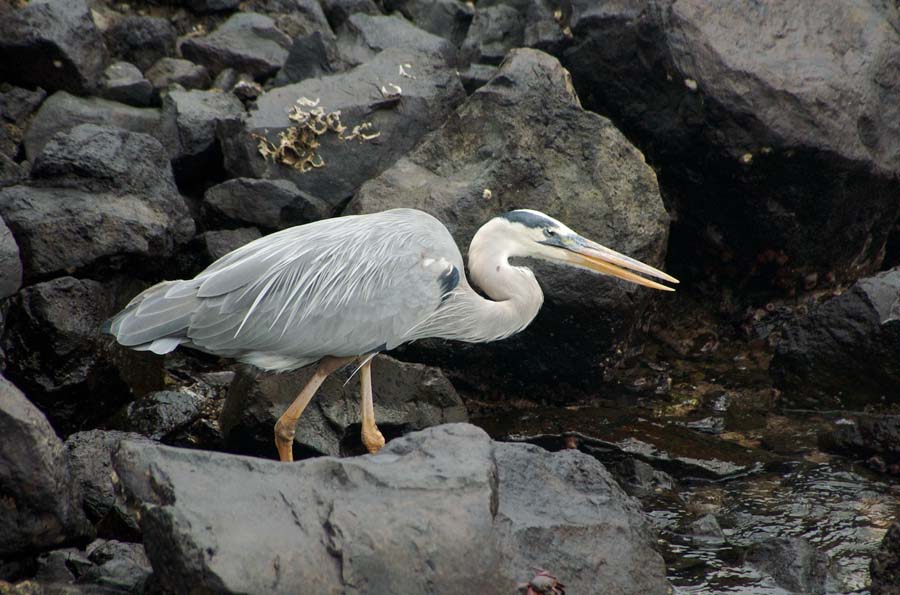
[[479, 488], [407, 397]]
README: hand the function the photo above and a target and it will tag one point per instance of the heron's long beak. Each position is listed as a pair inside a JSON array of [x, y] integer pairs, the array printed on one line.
[[584, 253]]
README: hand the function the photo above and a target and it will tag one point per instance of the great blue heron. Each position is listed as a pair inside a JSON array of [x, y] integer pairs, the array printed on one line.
[[344, 289]]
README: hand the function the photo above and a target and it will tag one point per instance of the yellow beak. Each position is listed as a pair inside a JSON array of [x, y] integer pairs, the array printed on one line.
[[592, 256]]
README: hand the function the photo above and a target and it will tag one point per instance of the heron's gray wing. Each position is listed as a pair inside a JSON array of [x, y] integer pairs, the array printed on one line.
[[343, 286]]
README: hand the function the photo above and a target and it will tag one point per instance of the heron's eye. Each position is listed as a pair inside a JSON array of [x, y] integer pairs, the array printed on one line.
[[550, 233]]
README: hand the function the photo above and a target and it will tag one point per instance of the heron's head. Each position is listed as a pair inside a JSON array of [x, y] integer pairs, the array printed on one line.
[[533, 234]]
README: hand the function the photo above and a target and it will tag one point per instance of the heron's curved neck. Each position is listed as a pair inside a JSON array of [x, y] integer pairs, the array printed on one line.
[[515, 294]]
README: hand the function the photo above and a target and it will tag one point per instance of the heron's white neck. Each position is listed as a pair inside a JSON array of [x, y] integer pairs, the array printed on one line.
[[515, 294]]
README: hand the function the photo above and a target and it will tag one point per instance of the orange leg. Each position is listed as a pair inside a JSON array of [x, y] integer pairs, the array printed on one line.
[[371, 437], [286, 427]]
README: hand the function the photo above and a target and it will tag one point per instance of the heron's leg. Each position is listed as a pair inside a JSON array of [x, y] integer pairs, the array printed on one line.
[[286, 426], [371, 437]]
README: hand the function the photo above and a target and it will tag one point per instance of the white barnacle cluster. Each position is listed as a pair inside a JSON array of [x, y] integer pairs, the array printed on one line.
[[298, 145]]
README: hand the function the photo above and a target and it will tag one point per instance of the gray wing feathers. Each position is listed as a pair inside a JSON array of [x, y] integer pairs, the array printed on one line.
[[344, 286]]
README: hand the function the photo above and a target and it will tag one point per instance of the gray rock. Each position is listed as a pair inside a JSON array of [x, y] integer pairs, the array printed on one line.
[[169, 71], [190, 120], [495, 30], [765, 121], [363, 36], [295, 18], [445, 510], [269, 204], [141, 40], [62, 112], [55, 351], [706, 529], [794, 563], [51, 44], [10, 263], [41, 505], [158, 415], [310, 56], [885, 565], [17, 103], [423, 105], [220, 242], [107, 194], [89, 459], [117, 565], [864, 436], [338, 11], [247, 42], [11, 173], [523, 141], [843, 354], [124, 82], [476, 75], [563, 512], [447, 18], [407, 397]]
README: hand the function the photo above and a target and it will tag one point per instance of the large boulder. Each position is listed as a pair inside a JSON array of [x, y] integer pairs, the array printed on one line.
[[523, 141], [51, 44], [363, 36], [445, 510], [399, 120], [41, 506], [269, 204], [845, 353], [247, 42], [447, 18], [407, 397], [61, 112], [107, 195], [54, 350], [10, 263], [773, 126]]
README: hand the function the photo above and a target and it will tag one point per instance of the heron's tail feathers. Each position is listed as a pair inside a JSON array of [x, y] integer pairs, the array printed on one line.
[[155, 321]]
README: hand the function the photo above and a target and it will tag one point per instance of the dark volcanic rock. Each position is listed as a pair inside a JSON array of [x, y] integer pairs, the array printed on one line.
[[124, 82], [218, 243], [247, 42], [523, 141], [190, 120], [17, 103], [846, 352], [447, 18], [62, 112], [41, 507], [865, 436], [403, 521], [141, 40], [108, 195], [89, 459], [55, 351], [534, 486], [500, 26], [205, 6], [794, 563], [10, 263], [401, 121], [270, 204], [407, 397], [117, 566], [363, 36], [338, 11], [885, 566], [310, 56], [476, 75], [51, 44], [175, 70], [159, 414], [798, 126]]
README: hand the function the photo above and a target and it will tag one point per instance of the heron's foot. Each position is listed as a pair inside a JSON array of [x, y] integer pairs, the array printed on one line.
[[284, 439], [372, 439]]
